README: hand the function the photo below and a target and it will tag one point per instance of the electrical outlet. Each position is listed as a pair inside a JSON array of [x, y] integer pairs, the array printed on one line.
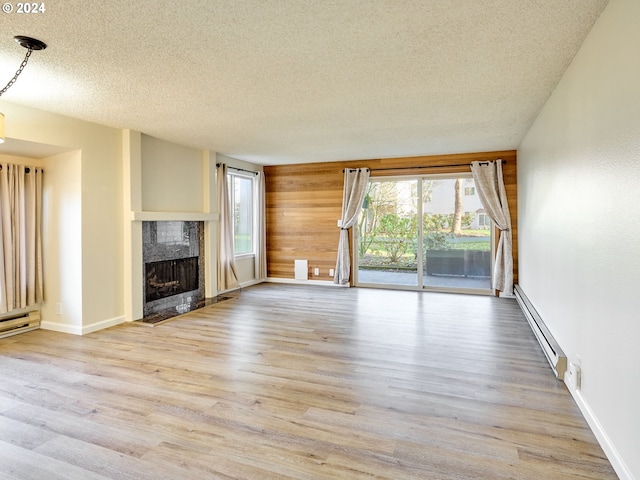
[[331, 272], [316, 271]]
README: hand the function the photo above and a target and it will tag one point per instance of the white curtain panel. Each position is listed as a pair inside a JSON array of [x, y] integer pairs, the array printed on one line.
[[227, 274], [355, 187], [21, 278], [261, 230], [490, 185]]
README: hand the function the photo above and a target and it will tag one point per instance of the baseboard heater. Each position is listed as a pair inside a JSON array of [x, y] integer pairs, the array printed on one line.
[[21, 323], [556, 357]]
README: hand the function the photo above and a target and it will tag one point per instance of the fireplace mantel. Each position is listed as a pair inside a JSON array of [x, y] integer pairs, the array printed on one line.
[[174, 216]]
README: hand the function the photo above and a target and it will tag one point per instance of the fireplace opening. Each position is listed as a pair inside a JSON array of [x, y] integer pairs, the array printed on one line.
[[171, 277]]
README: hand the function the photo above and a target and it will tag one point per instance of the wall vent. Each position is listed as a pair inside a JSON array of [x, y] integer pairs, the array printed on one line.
[[556, 357], [301, 269], [19, 323]]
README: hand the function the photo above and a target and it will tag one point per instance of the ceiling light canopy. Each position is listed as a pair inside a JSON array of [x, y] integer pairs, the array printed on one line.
[[30, 44]]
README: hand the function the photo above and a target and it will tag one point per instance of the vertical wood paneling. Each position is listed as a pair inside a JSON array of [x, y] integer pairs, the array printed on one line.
[[304, 203]]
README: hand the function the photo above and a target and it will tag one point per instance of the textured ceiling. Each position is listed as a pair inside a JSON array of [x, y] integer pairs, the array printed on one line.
[[292, 81]]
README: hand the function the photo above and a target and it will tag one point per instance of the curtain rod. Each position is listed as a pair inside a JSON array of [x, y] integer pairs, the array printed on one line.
[[236, 168], [26, 169], [427, 166]]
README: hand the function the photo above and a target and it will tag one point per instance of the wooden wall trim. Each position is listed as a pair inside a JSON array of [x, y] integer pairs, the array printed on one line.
[[304, 203]]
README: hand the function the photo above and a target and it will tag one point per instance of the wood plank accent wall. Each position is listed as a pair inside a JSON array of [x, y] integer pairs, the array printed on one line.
[[304, 203]]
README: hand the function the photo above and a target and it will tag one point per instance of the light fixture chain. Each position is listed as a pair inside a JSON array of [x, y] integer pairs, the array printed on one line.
[[18, 72]]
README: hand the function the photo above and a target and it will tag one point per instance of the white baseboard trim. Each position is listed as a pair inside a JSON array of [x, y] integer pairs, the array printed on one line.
[[111, 322], [603, 439], [60, 327], [324, 283], [77, 330], [252, 282], [248, 283]]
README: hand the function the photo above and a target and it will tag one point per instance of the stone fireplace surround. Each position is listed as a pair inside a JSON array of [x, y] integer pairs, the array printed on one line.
[[173, 240]]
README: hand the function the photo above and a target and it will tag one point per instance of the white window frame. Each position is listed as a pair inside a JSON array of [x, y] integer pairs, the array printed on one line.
[[231, 175]]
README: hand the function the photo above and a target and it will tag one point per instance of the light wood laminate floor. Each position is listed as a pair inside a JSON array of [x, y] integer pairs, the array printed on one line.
[[296, 382]]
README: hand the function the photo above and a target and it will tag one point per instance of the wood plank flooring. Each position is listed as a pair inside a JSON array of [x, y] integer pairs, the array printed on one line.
[[296, 382]]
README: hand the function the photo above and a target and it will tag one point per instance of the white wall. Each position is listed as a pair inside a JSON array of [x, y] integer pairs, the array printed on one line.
[[579, 226], [171, 177], [62, 240], [102, 232]]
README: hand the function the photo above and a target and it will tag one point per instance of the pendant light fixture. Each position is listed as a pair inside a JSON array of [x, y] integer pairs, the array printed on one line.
[[30, 44]]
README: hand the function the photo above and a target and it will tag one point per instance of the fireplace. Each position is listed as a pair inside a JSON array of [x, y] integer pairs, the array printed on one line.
[[173, 259], [170, 277]]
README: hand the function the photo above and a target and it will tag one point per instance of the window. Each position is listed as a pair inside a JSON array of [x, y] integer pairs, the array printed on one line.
[[241, 193], [468, 191], [484, 221]]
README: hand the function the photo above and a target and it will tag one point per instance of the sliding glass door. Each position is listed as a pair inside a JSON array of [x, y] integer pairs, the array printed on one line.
[[388, 232], [456, 235], [426, 232]]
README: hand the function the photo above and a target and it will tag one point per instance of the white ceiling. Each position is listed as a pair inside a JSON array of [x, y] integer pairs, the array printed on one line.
[[293, 81]]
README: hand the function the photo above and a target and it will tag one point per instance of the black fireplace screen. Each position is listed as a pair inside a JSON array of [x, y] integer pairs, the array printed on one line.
[[170, 277]]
